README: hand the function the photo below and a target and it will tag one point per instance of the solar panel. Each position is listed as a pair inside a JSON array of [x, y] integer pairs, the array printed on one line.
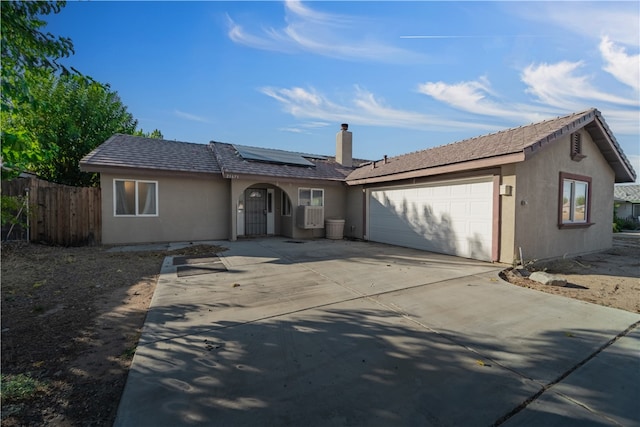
[[269, 155]]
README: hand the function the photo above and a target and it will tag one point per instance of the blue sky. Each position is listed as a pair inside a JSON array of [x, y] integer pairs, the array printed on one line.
[[405, 75]]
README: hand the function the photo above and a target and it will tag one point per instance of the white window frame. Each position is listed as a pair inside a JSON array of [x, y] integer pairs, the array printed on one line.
[[136, 183], [309, 202], [572, 181]]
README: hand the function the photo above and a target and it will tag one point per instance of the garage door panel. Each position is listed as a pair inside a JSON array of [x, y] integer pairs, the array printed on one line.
[[440, 191], [455, 219], [459, 191], [459, 209]]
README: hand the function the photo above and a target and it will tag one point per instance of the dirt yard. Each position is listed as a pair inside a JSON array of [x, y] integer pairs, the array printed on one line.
[[610, 278], [71, 318]]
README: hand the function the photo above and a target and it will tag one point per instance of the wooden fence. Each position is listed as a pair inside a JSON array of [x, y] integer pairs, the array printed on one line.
[[58, 214]]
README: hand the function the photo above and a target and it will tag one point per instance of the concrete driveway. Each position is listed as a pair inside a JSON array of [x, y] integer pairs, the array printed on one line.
[[337, 333]]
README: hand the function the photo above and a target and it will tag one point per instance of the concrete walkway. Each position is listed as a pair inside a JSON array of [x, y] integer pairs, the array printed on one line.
[[338, 333]]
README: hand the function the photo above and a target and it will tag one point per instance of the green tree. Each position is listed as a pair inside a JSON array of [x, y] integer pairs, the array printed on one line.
[[51, 116], [25, 46], [71, 117], [156, 134]]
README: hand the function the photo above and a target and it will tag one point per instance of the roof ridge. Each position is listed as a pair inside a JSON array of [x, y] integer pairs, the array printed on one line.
[[498, 132], [156, 139]]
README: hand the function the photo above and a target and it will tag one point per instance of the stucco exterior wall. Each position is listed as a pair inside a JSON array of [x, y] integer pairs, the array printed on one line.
[[190, 208], [507, 249], [354, 220], [335, 200], [334, 204], [536, 202]]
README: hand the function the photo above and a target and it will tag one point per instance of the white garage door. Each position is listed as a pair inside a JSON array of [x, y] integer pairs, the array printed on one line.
[[452, 218]]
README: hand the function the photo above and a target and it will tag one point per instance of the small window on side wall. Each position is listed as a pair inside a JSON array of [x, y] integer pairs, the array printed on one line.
[[135, 198], [286, 204], [574, 201], [576, 147]]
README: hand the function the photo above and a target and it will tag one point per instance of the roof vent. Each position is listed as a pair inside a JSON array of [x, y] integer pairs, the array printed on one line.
[[576, 147]]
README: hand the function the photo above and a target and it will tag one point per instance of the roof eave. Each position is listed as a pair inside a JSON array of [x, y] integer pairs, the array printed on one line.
[[118, 169], [440, 170], [612, 151]]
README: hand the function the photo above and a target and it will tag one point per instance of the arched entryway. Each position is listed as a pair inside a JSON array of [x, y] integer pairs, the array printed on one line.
[[261, 209]]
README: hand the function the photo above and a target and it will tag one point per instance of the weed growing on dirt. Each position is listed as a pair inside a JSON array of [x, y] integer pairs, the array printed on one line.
[[19, 387]]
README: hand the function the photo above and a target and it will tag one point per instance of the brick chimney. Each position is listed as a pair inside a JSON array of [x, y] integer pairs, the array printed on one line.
[[344, 147]]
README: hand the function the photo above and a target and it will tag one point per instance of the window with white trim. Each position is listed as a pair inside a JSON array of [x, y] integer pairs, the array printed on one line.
[[310, 197], [135, 198], [575, 199]]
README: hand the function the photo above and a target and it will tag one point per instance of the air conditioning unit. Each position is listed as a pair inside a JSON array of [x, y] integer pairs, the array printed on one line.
[[310, 217]]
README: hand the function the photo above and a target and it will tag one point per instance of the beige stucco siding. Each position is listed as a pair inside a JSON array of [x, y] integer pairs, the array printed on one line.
[[335, 200], [334, 203], [536, 202], [354, 218], [190, 208], [507, 249]]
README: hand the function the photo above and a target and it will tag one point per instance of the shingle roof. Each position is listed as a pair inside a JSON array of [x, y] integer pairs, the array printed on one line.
[[511, 145], [127, 151], [523, 140], [324, 167], [627, 193]]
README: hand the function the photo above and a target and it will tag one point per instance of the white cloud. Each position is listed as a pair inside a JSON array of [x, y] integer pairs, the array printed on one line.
[[323, 34], [624, 122], [238, 35], [305, 128], [624, 67], [362, 107], [477, 97], [293, 130], [589, 20], [313, 16], [548, 88], [559, 85], [556, 89], [191, 117]]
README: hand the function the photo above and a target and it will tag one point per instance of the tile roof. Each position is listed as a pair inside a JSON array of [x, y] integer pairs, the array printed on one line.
[[627, 193], [523, 140], [324, 167], [127, 151]]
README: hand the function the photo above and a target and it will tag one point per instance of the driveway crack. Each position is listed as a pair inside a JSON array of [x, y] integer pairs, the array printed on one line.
[[548, 386]]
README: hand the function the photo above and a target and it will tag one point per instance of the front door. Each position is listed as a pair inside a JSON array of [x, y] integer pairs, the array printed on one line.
[[255, 211]]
